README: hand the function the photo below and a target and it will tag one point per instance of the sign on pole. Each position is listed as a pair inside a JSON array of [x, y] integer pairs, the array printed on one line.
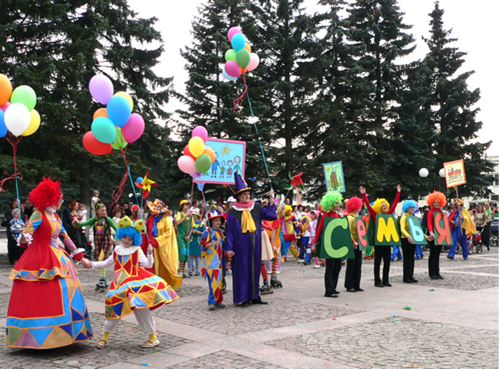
[[454, 173]]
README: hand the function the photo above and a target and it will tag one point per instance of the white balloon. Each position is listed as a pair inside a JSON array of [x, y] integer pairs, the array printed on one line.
[[423, 172], [17, 118], [441, 173]]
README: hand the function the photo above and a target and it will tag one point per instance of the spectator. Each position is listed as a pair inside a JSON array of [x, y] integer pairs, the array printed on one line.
[[95, 200], [28, 209]]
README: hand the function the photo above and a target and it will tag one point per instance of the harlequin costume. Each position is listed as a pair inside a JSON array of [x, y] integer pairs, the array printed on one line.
[[162, 237], [353, 273], [212, 250], [333, 266], [460, 230], [381, 252], [409, 249], [428, 222], [134, 289], [46, 307], [243, 232]]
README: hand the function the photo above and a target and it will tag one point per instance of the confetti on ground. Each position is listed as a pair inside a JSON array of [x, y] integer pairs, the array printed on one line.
[[145, 364], [407, 307], [432, 290], [394, 315], [397, 322], [334, 318]]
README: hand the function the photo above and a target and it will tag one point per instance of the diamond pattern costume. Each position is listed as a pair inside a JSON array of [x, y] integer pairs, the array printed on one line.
[[212, 263]]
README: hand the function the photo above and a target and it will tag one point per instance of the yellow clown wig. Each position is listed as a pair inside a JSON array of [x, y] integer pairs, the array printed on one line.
[[377, 205], [288, 209]]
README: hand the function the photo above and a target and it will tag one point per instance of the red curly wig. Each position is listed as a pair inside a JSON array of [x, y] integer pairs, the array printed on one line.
[[46, 193], [436, 195], [354, 204]]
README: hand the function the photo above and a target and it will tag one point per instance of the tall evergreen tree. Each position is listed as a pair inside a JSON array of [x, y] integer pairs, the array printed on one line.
[[453, 108]]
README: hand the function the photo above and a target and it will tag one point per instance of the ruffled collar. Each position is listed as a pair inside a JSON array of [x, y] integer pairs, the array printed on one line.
[[50, 210], [241, 207], [123, 251]]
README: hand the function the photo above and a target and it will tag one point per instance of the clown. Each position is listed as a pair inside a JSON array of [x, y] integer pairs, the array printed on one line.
[[408, 247], [354, 266], [290, 230], [461, 226]]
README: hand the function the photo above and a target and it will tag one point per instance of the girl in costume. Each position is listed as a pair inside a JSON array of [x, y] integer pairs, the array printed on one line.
[[184, 223], [304, 249], [331, 203], [312, 228], [102, 238], [381, 206], [46, 308], [197, 231], [134, 289], [267, 254], [290, 230], [408, 247], [436, 201], [212, 249], [354, 266]]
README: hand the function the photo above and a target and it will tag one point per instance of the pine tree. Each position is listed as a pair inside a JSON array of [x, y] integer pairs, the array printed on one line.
[[453, 108]]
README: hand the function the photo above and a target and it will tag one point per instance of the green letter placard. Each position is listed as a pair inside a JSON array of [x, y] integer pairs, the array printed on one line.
[[416, 231], [441, 229], [371, 232], [361, 233], [336, 239], [387, 233]]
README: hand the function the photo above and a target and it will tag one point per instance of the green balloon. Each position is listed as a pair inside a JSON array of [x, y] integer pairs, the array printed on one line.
[[203, 163], [243, 58], [230, 55], [104, 130], [120, 142], [24, 95]]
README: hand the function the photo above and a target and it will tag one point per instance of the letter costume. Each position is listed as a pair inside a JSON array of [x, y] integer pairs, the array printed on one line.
[[435, 250], [353, 273], [46, 308], [211, 257], [243, 232]]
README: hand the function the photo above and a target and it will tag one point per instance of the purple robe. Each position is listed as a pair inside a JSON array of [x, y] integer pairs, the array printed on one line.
[[248, 251]]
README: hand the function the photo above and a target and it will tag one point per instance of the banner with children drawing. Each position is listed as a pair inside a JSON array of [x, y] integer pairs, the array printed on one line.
[[333, 174], [230, 158]]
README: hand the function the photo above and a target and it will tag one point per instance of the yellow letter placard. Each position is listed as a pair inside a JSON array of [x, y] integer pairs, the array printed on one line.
[[387, 233]]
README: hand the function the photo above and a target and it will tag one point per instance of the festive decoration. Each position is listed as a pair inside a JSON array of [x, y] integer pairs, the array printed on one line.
[[240, 59], [146, 185], [296, 181]]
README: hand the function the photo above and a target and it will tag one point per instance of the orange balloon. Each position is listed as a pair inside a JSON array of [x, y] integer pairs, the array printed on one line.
[[211, 154], [247, 47], [243, 70], [5, 89], [101, 112]]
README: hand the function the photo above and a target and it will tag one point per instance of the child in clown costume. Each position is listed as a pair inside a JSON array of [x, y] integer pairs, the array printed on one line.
[[212, 250], [134, 289], [290, 230]]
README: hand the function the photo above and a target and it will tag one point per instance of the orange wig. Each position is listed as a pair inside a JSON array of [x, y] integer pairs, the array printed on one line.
[[436, 195]]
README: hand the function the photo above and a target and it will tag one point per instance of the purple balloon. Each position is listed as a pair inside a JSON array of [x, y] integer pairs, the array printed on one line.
[[101, 88], [134, 128], [232, 32], [196, 174], [233, 69]]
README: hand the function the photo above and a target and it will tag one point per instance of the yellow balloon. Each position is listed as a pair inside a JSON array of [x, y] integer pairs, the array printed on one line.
[[126, 96], [196, 146], [34, 123]]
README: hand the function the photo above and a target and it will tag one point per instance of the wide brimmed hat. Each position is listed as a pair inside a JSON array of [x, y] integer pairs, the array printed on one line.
[[184, 202], [241, 185], [157, 207]]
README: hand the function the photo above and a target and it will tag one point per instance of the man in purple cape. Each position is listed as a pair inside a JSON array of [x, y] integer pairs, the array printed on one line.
[[243, 242]]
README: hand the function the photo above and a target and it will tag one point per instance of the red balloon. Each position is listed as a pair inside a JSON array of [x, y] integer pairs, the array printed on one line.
[[188, 153], [94, 146]]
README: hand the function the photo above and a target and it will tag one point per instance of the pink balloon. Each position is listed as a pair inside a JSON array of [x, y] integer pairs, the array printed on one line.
[[101, 88], [134, 128], [232, 32], [201, 132], [233, 69], [254, 61], [186, 164], [4, 106]]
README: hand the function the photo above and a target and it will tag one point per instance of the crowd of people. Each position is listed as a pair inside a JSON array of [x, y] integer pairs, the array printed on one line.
[[153, 249]]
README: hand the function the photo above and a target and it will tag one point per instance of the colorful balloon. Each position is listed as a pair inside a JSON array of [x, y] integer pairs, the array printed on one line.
[[230, 55], [233, 69], [139, 180], [4, 106], [120, 142], [203, 163], [34, 123], [24, 95], [188, 153], [201, 132], [134, 128], [243, 58], [196, 146], [209, 151], [101, 88], [224, 73], [119, 110], [232, 32], [126, 96], [238, 41], [5, 89], [101, 112], [104, 130], [196, 174], [3, 127], [94, 146], [247, 47], [254, 61], [17, 118], [186, 164]]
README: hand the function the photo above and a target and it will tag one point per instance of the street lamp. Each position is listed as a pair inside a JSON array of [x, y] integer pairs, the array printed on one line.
[[423, 173]]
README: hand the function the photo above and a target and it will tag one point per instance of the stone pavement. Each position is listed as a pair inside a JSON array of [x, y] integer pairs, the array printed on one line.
[[452, 323]]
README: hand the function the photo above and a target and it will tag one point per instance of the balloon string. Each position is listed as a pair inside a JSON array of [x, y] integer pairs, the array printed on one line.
[[136, 199], [14, 142], [239, 101], [118, 191]]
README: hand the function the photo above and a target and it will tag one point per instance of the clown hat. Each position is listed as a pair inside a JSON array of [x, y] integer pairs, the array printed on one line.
[[215, 214], [157, 207], [241, 185]]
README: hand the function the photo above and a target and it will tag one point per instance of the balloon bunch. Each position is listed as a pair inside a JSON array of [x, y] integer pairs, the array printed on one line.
[[198, 157], [240, 59], [115, 126]]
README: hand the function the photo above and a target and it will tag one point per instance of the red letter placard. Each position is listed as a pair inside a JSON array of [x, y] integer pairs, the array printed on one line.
[[442, 230], [361, 233]]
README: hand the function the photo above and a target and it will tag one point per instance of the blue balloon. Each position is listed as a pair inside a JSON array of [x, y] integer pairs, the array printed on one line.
[[139, 180], [119, 110], [230, 78], [200, 186], [238, 41], [3, 127]]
